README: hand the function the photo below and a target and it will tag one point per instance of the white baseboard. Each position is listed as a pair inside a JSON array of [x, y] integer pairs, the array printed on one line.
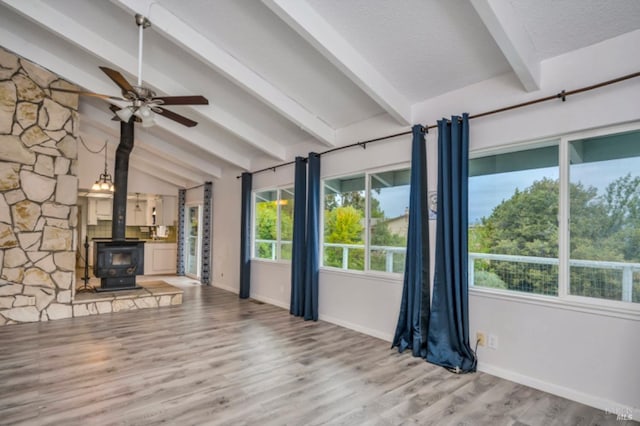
[[271, 301], [552, 388], [356, 327], [225, 287], [328, 318]]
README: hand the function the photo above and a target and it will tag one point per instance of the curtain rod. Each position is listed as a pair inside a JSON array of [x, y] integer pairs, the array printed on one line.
[[563, 95]]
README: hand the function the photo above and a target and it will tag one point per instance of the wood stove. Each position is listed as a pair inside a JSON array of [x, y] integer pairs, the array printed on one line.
[[117, 263], [118, 260]]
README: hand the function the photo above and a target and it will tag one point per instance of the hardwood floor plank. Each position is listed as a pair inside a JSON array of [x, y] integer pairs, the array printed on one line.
[[217, 359]]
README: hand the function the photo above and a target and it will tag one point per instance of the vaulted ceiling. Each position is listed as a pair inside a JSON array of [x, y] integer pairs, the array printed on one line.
[[283, 76]]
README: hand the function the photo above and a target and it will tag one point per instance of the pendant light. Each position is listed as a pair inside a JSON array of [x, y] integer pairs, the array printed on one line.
[[104, 184]]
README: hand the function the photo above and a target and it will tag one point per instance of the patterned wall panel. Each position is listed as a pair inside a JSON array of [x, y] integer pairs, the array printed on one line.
[[182, 198], [206, 234]]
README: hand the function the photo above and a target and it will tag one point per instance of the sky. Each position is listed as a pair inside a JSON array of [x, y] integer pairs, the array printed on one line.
[[486, 192]]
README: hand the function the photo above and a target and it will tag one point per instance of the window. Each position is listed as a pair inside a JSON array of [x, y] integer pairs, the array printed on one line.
[[513, 221], [518, 240], [365, 221], [273, 224], [604, 212]]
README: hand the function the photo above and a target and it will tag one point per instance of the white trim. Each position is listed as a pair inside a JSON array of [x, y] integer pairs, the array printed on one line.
[[564, 299], [570, 303], [371, 275], [278, 240], [269, 300], [225, 287], [366, 173], [569, 393], [564, 201]]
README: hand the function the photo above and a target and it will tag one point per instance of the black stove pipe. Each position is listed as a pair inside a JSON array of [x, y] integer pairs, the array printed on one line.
[[120, 177]]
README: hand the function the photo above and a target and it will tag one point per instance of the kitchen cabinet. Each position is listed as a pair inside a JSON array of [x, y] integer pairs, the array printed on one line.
[[136, 216], [160, 258], [99, 209]]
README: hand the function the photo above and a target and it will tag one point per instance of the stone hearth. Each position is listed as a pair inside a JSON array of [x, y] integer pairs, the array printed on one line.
[[152, 294]]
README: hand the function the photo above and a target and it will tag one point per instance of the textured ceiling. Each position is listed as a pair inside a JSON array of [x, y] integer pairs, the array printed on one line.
[[424, 48], [560, 26]]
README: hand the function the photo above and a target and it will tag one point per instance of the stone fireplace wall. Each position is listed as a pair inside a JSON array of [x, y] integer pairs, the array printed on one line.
[[38, 192]]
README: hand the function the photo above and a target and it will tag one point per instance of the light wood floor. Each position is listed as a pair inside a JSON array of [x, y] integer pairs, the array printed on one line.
[[220, 360]]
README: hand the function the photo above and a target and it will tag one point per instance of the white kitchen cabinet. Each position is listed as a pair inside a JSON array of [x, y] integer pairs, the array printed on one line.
[[136, 217], [99, 209], [160, 258]]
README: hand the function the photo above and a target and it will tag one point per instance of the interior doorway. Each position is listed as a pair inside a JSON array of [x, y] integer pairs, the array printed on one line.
[[193, 241]]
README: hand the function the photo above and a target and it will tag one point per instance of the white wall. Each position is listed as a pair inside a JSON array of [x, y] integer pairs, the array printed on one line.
[[586, 357], [225, 270], [90, 166]]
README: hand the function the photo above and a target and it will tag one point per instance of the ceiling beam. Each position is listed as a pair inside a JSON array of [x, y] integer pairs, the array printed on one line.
[[209, 53], [302, 18], [98, 119], [54, 21], [512, 38]]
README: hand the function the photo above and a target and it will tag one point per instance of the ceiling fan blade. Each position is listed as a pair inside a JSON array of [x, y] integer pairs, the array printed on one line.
[[181, 100], [118, 79], [175, 117], [95, 95]]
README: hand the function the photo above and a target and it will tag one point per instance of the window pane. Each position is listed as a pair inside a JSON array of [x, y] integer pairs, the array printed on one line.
[[513, 225], [605, 217], [266, 231], [389, 220], [344, 210], [286, 222]]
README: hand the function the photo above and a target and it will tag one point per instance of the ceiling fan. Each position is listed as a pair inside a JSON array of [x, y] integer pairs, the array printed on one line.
[[144, 103]]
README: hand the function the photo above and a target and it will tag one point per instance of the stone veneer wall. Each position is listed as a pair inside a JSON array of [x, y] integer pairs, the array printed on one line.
[[38, 192]]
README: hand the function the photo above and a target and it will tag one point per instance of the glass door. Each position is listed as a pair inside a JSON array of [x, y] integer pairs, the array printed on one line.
[[193, 241]]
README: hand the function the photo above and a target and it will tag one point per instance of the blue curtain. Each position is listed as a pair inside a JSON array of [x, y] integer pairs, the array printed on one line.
[[313, 239], [298, 245], [245, 237], [448, 342], [413, 322]]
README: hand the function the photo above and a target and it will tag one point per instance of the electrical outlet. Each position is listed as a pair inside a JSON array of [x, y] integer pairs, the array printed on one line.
[[493, 341], [480, 338]]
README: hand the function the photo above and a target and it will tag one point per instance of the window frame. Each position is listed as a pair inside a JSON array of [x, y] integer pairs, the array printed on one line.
[[395, 276], [564, 300], [278, 248]]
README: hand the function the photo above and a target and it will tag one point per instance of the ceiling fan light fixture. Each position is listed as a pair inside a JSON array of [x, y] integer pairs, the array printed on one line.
[[148, 122], [125, 114], [147, 116]]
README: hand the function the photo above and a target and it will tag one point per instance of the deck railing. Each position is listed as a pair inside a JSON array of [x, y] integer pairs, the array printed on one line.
[[627, 274]]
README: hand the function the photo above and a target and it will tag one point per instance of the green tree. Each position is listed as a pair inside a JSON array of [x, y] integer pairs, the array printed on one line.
[[266, 227], [343, 225], [603, 227]]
